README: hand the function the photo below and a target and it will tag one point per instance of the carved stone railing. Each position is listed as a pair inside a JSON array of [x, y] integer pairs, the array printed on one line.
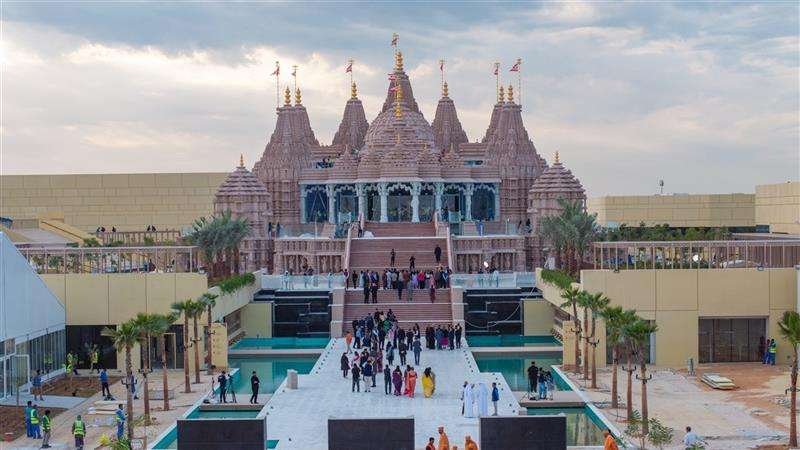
[[321, 254], [506, 253], [134, 238]]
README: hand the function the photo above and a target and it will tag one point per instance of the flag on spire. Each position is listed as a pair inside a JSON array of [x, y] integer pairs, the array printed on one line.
[[395, 37], [496, 69], [441, 65], [277, 69], [515, 67], [349, 67], [294, 71]]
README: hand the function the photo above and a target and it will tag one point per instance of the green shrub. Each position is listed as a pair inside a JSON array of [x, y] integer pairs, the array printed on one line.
[[557, 277], [236, 282]]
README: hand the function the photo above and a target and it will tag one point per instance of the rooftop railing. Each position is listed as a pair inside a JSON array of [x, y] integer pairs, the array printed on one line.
[[696, 254], [164, 259], [136, 238], [496, 280]]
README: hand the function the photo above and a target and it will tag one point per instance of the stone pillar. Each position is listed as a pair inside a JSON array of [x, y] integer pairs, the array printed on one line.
[[468, 201], [383, 190], [416, 187], [331, 203], [497, 201], [439, 193], [303, 218], [362, 209]]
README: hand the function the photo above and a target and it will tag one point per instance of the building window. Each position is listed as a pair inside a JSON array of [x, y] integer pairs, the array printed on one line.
[[732, 340]]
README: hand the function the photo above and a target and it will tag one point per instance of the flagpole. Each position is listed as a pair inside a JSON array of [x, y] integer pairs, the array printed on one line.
[[277, 84], [294, 77], [519, 81], [441, 67], [351, 71], [497, 79]]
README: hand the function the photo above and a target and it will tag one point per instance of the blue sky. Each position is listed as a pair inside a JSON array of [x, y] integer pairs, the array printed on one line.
[[702, 95]]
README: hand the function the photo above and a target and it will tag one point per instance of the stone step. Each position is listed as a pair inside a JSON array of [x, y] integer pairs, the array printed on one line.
[[356, 296]]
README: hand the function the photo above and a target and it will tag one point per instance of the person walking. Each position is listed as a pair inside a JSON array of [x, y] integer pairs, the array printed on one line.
[[356, 374], [417, 348], [437, 253], [397, 380], [444, 442], [368, 373], [773, 349], [403, 351], [432, 292], [348, 339], [94, 360], [469, 444], [46, 427], [387, 379], [609, 443], [542, 385], [431, 445], [495, 397], [104, 384], [28, 428], [36, 382], [223, 383], [79, 432], [230, 387], [458, 331], [344, 364], [373, 288], [119, 419], [412, 263], [255, 383], [399, 285], [533, 379], [35, 430], [391, 258]]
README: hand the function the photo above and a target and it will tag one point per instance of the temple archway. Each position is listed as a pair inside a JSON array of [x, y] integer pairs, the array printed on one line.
[[399, 203], [316, 203], [483, 202]]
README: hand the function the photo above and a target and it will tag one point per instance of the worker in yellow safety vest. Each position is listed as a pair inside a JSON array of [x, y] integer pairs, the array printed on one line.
[[34, 412], [79, 431], [46, 429]]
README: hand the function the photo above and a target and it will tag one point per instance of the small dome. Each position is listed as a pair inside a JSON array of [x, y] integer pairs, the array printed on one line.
[[241, 182], [557, 180]]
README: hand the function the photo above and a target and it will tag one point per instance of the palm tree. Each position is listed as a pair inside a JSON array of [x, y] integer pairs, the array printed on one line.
[[161, 325], [209, 301], [197, 308], [584, 299], [145, 323], [571, 233], [571, 295], [596, 303], [219, 238], [639, 334], [124, 337], [185, 308], [616, 319], [790, 330]]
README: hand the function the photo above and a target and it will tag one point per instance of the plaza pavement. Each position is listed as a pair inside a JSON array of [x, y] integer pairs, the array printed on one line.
[[298, 418]]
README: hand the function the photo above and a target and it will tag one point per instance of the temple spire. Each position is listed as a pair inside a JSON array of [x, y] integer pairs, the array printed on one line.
[[444, 90], [557, 161], [241, 159], [287, 97], [353, 90], [297, 97], [501, 98], [398, 61], [510, 93]]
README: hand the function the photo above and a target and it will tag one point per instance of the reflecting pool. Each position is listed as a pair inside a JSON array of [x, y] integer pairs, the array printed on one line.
[[583, 428], [514, 367]]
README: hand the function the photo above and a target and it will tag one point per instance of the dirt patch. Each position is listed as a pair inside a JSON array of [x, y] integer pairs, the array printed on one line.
[[12, 419], [77, 387]]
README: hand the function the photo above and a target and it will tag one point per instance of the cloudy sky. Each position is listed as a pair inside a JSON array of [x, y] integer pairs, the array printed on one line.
[[704, 96]]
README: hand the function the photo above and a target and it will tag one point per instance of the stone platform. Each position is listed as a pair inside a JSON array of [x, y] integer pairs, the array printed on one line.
[[298, 418]]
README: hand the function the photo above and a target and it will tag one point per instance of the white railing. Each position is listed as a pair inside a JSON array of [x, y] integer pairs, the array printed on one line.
[[323, 282], [493, 280]]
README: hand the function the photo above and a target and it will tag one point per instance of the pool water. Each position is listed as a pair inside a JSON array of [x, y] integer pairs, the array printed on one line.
[[583, 429], [271, 370], [512, 341], [514, 367], [279, 343]]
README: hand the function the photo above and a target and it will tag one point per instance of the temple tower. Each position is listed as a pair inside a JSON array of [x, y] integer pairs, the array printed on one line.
[[353, 126], [447, 131]]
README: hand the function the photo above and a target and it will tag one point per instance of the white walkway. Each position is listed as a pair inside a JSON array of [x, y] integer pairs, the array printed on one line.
[[298, 418]]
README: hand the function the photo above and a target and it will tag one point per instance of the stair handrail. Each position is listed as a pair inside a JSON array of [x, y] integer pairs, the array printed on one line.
[[445, 227], [346, 264]]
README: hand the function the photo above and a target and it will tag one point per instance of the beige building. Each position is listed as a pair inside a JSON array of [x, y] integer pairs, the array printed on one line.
[[772, 206], [705, 314], [129, 202]]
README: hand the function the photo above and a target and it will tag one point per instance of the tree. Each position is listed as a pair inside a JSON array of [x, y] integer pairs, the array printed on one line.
[[209, 301], [638, 334], [571, 295], [584, 299], [790, 330], [571, 233], [219, 238], [161, 325], [146, 324], [124, 337], [595, 303], [616, 319], [660, 435], [197, 308], [185, 308]]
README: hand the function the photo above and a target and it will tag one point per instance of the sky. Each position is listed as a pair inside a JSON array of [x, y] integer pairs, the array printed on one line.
[[702, 95]]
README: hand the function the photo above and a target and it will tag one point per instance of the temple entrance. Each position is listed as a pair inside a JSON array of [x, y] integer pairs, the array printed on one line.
[[346, 206], [399, 204], [453, 202], [483, 203], [316, 204]]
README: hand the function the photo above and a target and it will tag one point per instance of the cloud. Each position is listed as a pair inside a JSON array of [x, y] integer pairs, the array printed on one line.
[[698, 96]]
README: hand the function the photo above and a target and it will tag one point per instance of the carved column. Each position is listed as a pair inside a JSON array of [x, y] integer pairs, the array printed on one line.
[[331, 203], [468, 201], [416, 187], [384, 193], [497, 201], [361, 200], [439, 186], [303, 218]]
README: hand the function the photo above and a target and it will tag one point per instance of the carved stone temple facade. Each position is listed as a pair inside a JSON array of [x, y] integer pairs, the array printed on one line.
[[399, 168]]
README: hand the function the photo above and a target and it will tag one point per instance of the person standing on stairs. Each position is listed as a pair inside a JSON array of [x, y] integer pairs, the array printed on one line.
[[366, 286], [374, 290], [437, 253], [411, 263], [391, 258]]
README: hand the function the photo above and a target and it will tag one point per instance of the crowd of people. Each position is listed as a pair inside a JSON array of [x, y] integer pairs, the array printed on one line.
[[401, 280]]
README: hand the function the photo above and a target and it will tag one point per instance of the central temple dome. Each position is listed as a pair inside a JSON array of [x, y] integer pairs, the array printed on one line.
[[400, 128]]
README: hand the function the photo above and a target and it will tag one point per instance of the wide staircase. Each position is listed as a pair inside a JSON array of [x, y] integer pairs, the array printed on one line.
[[407, 240], [420, 310]]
